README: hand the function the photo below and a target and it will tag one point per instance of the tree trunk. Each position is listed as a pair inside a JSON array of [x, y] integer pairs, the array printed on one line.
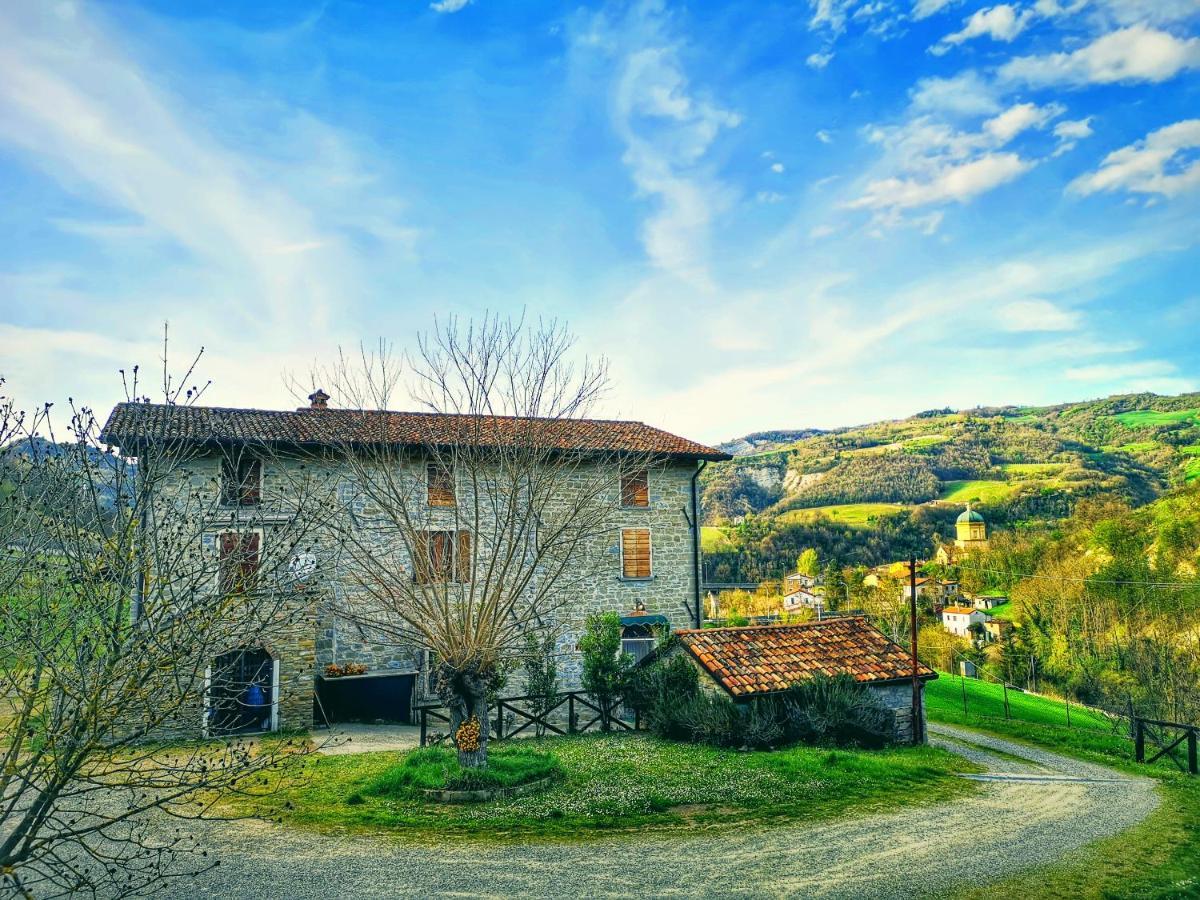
[[469, 721]]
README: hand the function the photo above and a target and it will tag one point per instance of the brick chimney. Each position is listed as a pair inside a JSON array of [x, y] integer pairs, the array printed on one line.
[[318, 399]]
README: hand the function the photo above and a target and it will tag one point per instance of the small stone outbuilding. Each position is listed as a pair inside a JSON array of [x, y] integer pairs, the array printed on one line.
[[757, 661]]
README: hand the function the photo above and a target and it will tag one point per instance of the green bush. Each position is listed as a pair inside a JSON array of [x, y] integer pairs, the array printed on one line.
[[657, 691], [606, 667], [437, 768], [837, 710]]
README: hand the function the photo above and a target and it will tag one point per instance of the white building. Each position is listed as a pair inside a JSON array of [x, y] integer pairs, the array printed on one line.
[[959, 619]]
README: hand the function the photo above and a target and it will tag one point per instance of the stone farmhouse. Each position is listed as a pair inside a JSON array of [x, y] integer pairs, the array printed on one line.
[[746, 663], [318, 667]]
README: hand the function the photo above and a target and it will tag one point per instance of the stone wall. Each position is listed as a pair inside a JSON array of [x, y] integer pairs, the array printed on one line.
[[323, 636]]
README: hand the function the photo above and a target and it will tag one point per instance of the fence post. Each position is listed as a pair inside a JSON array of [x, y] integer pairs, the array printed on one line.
[[963, 681], [424, 725], [1139, 740], [1067, 697], [571, 713], [1004, 684], [500, 720], [1192, 765]]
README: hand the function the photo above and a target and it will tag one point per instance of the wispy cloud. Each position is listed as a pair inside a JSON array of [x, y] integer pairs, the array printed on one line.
[[1163, 163], [1129, 55]]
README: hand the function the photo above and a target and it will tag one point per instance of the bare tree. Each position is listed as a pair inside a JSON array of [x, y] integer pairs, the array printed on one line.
[[121, 608], [477, 518]]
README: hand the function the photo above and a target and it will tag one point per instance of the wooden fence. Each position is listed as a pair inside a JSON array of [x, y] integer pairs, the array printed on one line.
[[1160, 734], [583, 713]]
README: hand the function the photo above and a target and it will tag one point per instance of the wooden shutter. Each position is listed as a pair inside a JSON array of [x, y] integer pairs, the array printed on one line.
[[440, 484], [635, 552], [635, 488], [227, 550], [250, 488], [248, 560], [462, 557], [420, 554]]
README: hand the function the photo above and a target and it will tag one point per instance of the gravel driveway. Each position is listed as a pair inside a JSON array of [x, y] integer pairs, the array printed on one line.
[[1025, 814]]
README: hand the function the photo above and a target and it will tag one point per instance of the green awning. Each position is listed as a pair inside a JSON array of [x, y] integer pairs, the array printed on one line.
[[647, 619]]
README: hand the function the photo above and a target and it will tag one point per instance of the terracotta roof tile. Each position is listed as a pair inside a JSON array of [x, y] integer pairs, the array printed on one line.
[[768, 658], [133, 424]]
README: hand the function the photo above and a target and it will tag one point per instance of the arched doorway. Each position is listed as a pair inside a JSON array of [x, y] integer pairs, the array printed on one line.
[[242, 695]]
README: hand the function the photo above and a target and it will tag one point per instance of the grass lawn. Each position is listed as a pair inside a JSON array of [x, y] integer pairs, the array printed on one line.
[[1191, 470], [625, 782], [1158, 858], [962, 491], [859, 515], [985, 703], [1003, 611], [713, 539], [1033, 470], [1148, 418]]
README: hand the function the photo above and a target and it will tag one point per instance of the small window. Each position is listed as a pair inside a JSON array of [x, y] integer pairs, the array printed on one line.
[[241, 481], [635, 552], [238, 559], [442, 556], [440, 482], [638, 641], [635, 488]]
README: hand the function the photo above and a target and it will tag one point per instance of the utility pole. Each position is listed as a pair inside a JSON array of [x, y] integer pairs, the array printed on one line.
[[918, 737]]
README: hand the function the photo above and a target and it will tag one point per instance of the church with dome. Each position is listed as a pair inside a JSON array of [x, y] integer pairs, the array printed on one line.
[[970, 535]]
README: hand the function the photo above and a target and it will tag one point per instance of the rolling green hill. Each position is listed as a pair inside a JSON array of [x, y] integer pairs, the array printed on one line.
[[907, 479]]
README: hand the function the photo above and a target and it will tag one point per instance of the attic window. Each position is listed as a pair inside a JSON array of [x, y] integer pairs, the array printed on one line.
[[440, 484], [241, 481], [635, 487]]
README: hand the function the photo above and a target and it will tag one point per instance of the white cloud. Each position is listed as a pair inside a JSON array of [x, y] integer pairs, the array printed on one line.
[[965, 94], [923, 9], [257, 242], [1000, 23], [1037, 315], [1121, 371], [449, 6], [818, 60], [777, 168], [1019, 118], [824, 137], [952, 183], [1159, 164], [1130, 54], [1070, 133], [768, 197], [667, 128]]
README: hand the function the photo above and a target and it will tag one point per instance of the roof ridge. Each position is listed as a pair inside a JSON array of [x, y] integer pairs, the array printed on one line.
[[392, 412], [741, 628]]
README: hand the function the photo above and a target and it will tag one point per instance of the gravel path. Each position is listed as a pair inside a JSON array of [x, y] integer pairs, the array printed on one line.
[[1026, 813]]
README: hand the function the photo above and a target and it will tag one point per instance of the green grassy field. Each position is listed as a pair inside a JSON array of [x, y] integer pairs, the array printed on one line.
[[1003, 611], [714, 539], [858, 515], [983, 491], [626, 782], [985, 701], [1148, 418], [1033, 470]]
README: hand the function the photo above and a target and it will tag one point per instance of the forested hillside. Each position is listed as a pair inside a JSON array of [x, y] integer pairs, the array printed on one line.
[[1107, 605], [868, 493]]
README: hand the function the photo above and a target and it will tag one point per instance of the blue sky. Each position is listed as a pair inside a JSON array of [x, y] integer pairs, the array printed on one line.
[[765, 214]]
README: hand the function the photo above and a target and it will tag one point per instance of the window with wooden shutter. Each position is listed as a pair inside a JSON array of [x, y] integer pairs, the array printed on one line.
[[442, 556], [440, 484], [635, 552], [462, 557], [241, 481], [635, 487], [238, 560]]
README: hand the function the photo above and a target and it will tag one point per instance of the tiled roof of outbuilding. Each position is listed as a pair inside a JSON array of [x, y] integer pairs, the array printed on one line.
[[133, 424], [768, 658]]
